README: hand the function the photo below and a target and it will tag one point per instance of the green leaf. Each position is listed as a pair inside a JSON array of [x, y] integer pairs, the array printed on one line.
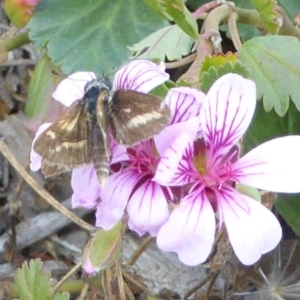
[[274, 62], [163, 89], [41, 87], [217, 61], [181, 16], [170, 42], [291, 7], [247, 32], [212, 74], [289, 208], [61, 296], [32, 282], [268, 14], [91, 35], [268, 125], [249, 191], [155, 6]]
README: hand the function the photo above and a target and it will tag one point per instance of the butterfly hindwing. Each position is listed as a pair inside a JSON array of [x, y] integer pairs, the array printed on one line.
[[136, 116], [66, 143]]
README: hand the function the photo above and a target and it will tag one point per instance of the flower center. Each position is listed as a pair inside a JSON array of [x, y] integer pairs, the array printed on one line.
[[142, 157], [214, 169]]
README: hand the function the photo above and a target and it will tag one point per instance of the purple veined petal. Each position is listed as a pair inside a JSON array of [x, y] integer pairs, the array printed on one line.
[[72, 88], [36, 159], [147, 209], [114, 197], [141, 76], [184, 103], [252, 232], [169, 162], [272, 166], [227, 112], [175, 145], [190, 230], [86, 188], [169, 134]]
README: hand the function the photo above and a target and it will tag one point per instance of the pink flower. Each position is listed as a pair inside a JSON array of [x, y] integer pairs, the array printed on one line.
[[139, 75], [203, 156], [132, 189]]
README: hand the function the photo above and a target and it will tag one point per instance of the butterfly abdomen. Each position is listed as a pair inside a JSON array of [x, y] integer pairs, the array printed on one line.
[[100, 154]]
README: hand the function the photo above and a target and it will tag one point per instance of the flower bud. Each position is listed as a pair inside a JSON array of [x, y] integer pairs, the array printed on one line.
[[20, 11], [103, 249]]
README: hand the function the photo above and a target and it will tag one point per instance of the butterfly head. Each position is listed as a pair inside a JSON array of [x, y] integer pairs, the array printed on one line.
[[93, 87]]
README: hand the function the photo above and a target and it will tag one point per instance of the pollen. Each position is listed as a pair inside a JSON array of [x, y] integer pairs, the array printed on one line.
[[199, 162]]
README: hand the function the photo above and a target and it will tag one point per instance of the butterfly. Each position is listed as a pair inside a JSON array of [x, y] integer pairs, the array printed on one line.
[[81, 135]]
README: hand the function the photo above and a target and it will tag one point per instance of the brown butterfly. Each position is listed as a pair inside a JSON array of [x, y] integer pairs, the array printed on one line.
[[80, 136]]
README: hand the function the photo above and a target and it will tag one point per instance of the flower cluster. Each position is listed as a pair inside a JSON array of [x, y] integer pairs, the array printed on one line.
[[178, 183]]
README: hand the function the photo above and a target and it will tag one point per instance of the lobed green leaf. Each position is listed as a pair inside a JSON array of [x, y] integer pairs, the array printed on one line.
[[91, 35], [33, 283], [268, 14], [275, 70], [169, 42], [208, 77]]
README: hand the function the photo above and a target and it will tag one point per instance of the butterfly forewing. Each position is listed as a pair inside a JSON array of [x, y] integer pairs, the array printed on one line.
[[66, 143], [136, 116], [49, 169], [80, 136]]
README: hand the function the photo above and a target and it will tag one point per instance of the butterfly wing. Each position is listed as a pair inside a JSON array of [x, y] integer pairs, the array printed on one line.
[[49, 169], [66, 143], [136, 116]]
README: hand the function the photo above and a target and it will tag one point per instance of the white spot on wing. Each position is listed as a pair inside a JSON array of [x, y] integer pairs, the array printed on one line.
[[144, 119], [51, 134]]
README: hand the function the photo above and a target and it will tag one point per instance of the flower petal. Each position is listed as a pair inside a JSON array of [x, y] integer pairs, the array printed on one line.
[[36, 159], [147, 208], [173, 167], [227, 112], [72, 88], [190, 230], [168, 135], [86, 188], [272, 166], [175, 144], [141, 76], [252, 232], [114, 198], [184, 103]]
